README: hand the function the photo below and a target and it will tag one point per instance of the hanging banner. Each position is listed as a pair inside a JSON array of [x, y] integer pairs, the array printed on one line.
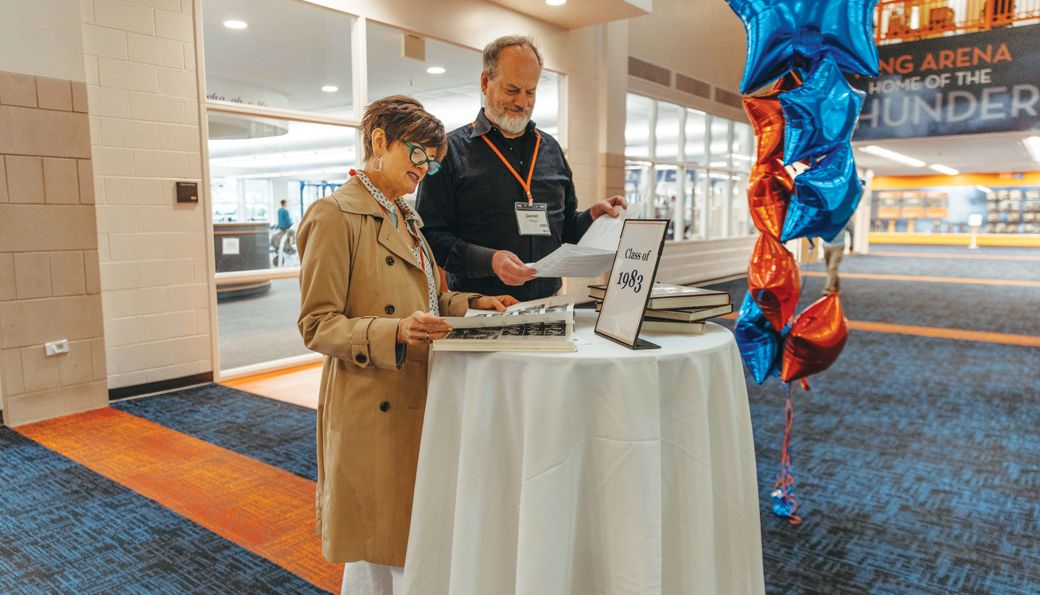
[[963, 84]]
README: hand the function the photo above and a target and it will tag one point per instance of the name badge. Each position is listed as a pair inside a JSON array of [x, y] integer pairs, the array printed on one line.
[[532, 220]]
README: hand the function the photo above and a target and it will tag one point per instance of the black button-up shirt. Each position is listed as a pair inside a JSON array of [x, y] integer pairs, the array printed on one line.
[[468, 207]]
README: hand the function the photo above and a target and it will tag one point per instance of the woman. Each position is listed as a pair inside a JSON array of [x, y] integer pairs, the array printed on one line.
[[364, 267]]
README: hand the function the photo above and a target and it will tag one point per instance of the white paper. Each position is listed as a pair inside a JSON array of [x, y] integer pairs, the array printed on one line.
[[551, 309], [590, 257]]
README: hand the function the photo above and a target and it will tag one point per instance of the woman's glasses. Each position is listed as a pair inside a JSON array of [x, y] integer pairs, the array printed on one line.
[[419, 157]]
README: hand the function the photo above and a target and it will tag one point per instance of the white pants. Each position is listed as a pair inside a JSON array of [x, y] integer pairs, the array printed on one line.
[[365, 578]]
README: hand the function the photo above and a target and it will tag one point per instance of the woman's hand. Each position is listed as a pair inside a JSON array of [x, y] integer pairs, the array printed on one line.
[[493, 302], [421, 327]]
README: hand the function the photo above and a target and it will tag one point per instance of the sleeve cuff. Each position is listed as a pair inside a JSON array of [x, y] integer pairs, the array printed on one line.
[[455, 303], [382, 343]]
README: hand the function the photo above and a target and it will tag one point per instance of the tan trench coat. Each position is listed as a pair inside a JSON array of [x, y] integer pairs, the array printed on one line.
[[357, 280]]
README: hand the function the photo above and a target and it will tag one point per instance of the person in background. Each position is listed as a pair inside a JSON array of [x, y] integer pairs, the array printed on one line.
[[370, 302], [501, 168], [832, 254], [284, 227]]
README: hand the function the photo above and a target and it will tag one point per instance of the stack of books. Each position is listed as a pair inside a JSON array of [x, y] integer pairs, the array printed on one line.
[[675, 308]]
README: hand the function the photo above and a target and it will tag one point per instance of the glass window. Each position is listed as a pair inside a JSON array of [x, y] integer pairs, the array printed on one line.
[[447, 82], [253, 318], [547, 105], [638, 112], [255, 163], [743, 152], [720, 142], [666, 132], [291, 55], [696, 139], [739, 212], [667, 196], [696, 189], [639, 188], [718, 204]]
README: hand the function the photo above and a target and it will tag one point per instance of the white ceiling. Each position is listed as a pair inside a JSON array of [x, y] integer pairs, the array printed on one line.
[[580, 13], [977, 153]]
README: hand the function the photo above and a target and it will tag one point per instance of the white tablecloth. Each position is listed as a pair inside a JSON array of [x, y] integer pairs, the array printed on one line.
[[605, 471]]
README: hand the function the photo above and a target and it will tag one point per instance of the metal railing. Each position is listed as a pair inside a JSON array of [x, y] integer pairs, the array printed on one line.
[[911, 20]]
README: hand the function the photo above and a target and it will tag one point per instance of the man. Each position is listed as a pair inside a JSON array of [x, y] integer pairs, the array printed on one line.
[[504, 196], [832, 253], [284, 226]]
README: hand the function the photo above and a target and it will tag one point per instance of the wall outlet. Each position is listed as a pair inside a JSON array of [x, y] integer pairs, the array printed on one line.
[[56, 347]]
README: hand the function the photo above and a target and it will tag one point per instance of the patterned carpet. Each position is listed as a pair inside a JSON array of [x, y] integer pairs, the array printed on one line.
[[917, 460]]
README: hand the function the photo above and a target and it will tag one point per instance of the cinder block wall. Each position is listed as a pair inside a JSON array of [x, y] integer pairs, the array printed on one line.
[[49, 275]]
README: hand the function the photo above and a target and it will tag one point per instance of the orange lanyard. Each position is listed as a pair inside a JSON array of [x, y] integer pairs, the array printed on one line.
[[530, 172]]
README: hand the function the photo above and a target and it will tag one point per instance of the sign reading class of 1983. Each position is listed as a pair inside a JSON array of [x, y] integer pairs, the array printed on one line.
[[962, 84]]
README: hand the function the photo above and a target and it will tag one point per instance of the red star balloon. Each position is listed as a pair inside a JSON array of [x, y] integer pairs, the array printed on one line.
[[768, 197], [816, 339], [773, 280]]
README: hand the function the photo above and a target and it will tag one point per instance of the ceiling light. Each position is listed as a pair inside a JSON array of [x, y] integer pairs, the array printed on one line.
[[986, 189], [892, 155], [556, 2], [1033, 144], [235, 24], [330, 88], [435, 70], [943, 169]]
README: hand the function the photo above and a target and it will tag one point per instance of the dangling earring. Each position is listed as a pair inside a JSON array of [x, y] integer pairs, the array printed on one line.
[[379, 164]]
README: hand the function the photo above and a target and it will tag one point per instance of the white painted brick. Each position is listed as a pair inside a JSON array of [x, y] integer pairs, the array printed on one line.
[[142, 356], [174, 5], [138, 302], [124, 16], [119, 132], [189, 57], [167, 272], [120, 74], [102, 252], [191, 112], [179, 138], [185, 297], [108, 102], [123, 331], [102, 41], [112, 162], [160, 164], [152, 50], [116, 220], [190, 349], [86, 10], [120, 275], [186, 245], [95, 131], [174, 25], [134, 191], [201, 270], [91, 63], [168, 326], [122, 380], [156, 108], [136, 246], [166, 219], [97, 356], [202, 322], [180, 83], [187, 6], [195, 166], [170, 372]]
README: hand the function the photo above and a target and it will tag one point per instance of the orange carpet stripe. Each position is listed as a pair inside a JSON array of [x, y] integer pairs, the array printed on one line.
[[945, 333], [266, 510], [1016, 257], [922, 279]]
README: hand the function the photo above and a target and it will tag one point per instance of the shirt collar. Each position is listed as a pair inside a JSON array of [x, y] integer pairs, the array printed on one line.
[[482, 125]]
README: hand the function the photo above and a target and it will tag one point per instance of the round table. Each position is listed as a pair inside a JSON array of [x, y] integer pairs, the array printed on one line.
[[603, 471]]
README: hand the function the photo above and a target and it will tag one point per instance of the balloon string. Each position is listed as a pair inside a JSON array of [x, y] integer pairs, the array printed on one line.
[[786, 480]]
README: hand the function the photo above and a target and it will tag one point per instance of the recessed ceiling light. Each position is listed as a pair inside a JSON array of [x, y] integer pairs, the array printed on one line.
[[1033, 144], [892, 155], [556, 2], [943, 169], [436, 70], [330, 88], [235, 24]]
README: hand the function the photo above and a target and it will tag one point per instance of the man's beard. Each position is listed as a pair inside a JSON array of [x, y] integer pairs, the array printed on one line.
[[509, 121]]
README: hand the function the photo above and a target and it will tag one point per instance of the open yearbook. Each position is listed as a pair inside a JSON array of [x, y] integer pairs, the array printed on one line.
[[539, 325]]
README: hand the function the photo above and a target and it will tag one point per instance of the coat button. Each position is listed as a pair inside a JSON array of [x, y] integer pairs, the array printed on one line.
[[384, 406], [360, 358], [389, 260], [389, 309]]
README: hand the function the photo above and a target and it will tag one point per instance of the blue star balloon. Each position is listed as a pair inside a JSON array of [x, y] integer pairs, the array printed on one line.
[[821, 114], [758, 341], [824, 198], [782, 34]]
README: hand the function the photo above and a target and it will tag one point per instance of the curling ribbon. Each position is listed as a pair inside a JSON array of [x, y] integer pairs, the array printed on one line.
[[784, 504]]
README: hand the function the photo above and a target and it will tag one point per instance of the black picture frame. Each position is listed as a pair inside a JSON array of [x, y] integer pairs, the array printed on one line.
[[636, 342]]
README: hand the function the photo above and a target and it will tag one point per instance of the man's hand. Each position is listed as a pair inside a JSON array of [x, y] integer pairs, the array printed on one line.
[[421, 327], [510, 269], [493, 302], [606, 207]]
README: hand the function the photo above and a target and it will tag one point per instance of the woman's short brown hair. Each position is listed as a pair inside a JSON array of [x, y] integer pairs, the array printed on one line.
[[403, 118]]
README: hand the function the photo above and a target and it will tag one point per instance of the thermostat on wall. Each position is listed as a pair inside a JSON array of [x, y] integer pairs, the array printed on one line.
[[188, 192]]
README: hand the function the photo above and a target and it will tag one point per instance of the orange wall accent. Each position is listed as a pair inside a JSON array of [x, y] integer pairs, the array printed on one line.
[[266, 510], [1031, 178]]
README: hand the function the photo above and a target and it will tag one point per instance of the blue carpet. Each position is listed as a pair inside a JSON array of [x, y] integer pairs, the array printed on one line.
[[65, 529], [279, 434], [1022, 270]]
